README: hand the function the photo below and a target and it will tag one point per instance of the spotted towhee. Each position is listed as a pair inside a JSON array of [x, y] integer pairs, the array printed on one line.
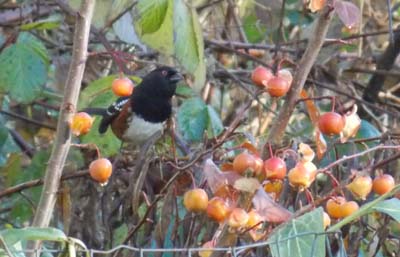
[[137, 117]]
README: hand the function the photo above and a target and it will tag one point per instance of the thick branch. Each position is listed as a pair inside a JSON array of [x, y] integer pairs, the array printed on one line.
[[63, 137], [307, 61]]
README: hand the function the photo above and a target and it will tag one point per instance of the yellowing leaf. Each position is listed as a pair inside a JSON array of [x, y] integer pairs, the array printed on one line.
[[321, 144], [249, 185], [352, 125], [312, 110], [306, 152]]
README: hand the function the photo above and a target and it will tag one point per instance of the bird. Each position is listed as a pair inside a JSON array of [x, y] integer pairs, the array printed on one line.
[[137, 117]]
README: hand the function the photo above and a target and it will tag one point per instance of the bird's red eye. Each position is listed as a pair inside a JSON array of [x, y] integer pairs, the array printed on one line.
[[164, 73]]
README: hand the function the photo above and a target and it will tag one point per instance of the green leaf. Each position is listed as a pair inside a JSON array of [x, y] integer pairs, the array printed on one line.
[[187, 36], [195, 117], [24, 68], [298, 237], [154, 24], [215, 126], [367, 130], [52, 22], [173, 28], [192, 119], [7, 144], [119, 234], [13, 236], [391, 207]]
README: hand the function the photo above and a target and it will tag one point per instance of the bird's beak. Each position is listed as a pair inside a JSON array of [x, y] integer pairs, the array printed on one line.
[[176, 77]]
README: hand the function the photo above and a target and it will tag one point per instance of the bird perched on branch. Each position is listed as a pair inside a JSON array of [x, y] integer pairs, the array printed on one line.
[[137, 117]]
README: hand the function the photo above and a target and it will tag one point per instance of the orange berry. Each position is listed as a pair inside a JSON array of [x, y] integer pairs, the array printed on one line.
[[333, 207], [81, 123], [243, 162], [383, 184], [348, 208], [255, 220], [218, 209], [122, 86], [238, 218], [195, 200], [302, 175], [361, 186], [100, 170]]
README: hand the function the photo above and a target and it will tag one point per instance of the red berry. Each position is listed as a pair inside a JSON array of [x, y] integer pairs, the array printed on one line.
[[331, 123], [261, 75], [275, 168], [277, 86]]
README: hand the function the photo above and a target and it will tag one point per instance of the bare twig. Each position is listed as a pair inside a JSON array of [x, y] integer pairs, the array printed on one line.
[[63, 137], [38, 182], [314, 45], [346, 158]]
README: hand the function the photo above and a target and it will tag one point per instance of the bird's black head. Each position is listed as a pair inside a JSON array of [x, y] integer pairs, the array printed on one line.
[[161, 81]]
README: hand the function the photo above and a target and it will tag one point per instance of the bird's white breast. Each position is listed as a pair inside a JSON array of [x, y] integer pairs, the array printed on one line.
[[139, 130]]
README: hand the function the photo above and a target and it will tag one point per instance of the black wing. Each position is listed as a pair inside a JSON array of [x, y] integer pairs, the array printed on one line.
[[111, 113]]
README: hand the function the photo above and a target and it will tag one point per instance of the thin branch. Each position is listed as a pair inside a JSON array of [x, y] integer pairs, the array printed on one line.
[[63, 137], [38, 182], [346, 158], [307, 61]]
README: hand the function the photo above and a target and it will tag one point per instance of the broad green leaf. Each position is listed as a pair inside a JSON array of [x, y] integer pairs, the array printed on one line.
[[154, 24], [152, 15], [299, 237], [94, 90], [215, 126], [195, 118], [119, 234], [98, 93], [187, 36], [24, 68], [254, 30], [391, 207], [367, 130], [13, 236], [45, 24], [172, 27], [192, 119]]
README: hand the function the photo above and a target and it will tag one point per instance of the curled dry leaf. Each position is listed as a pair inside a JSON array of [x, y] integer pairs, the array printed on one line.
[[307, 154], [352, 125], [321, 144], [250, 147], [316, 5], [348, 13], [216, 178], [268, 209], [249, 185]]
